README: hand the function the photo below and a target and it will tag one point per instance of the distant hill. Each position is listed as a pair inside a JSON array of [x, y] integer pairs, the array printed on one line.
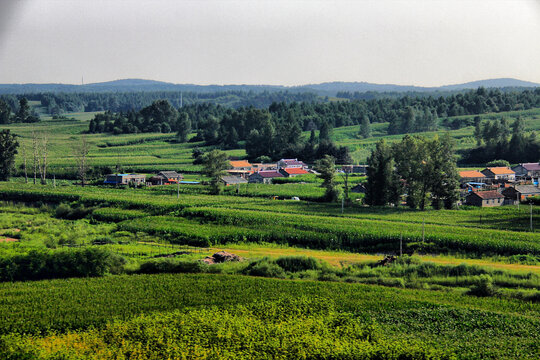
[[324, 89]]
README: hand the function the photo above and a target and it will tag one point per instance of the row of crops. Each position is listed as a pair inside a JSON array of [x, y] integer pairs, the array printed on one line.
[[470, 327], [202, 220]]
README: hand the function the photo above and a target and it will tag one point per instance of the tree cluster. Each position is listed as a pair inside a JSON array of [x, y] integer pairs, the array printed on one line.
[[497, 140], [23, 112], [425, 170]]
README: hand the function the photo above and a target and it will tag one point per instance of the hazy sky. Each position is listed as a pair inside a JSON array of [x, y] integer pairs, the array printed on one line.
[[424, 43]]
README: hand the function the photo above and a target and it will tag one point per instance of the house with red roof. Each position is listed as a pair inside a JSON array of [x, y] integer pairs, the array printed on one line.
[[292, 172], [240, 168], [264, 176], [485, 198]]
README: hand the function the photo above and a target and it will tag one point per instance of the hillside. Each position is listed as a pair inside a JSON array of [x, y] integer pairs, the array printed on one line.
[[325, 89]]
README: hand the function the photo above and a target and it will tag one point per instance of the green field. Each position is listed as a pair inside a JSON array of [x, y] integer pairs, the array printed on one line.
[[152, 152], [108, 273]]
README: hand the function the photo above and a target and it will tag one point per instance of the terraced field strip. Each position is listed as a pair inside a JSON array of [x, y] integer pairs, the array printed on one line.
[[336, 258]]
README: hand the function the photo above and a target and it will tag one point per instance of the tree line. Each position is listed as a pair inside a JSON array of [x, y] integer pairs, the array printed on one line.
[[500, 140], [23, 113]]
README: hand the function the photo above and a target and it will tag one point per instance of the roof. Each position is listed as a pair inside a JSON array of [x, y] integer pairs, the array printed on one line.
[[233, 180], [487, 195], [292, 162], [503, 170], [269, 174], [126, 175], [295, 171], [527, 189], [169, 174], [531, 166], [471, 174], [240, 163]]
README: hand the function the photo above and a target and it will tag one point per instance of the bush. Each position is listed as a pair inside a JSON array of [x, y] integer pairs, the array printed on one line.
[[38, 265], [298, 263], [172, 266], [483, 287], [265, 268]]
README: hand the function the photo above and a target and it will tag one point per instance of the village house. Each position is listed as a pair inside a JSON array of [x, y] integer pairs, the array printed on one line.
[[264, 177], [527, 170], [233, 180], [291, 163], [485, 198], [521, 192], [355, 169], [499, 173], [240, 168], [262, 167], [292, 172], [166, 178], [125, 179], [471, 176], [359, 188]]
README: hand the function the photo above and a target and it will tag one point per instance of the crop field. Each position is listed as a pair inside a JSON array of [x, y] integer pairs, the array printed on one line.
[[105, 273], [151, 152]]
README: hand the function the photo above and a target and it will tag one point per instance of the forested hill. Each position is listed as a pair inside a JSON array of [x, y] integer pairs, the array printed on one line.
[[323, 89]]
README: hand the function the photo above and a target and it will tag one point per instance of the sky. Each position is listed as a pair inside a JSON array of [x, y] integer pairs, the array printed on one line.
[[412, 42]]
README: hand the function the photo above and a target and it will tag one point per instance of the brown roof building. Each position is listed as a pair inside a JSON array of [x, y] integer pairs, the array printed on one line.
[[485, 198], [499, 173]]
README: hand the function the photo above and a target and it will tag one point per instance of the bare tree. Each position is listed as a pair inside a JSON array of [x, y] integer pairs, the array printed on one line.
[[40, 156], [24, 164], [81, 155], [35, 154]]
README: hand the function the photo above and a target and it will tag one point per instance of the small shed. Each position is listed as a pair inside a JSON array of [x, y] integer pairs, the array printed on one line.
[[166, 178], [292, 172], [265, 177], [233, 180]]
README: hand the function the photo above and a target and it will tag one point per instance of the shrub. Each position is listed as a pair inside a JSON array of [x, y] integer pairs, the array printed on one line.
[[298, 263], [483, 286], [172, 266], [265, 268]]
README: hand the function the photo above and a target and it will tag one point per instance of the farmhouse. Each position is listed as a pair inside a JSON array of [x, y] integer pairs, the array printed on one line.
[[471, 176], [499, 173], [485, 198], [292, 172], [166, 178], [125, 179], [241, 167], [233, 180], [520, 192], [530, 170], [264, 176], [291, 163]]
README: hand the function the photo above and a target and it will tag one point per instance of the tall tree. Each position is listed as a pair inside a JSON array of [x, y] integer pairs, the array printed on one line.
[[184, 128], [383, 186], [444, 174], [5, 112], [327, 172], [8, 150], [214, 165], [365, 127]]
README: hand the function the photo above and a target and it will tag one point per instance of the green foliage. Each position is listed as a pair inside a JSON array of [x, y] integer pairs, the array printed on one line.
[[327, 169], [497, 163], [37, 265], [8, 150], [215, 163], [483, 286]]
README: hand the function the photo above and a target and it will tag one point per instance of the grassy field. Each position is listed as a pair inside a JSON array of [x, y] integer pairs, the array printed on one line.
[[310, 285], [152, 152]]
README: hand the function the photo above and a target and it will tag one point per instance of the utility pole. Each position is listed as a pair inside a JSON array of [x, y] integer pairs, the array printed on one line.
[[54, 180], [178, 188], [342, 204]]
